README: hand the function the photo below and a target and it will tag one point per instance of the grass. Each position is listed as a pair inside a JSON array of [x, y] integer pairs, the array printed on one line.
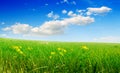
[[24, 56]]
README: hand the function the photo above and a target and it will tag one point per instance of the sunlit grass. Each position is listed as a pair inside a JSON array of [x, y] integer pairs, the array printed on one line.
[[22, 56]]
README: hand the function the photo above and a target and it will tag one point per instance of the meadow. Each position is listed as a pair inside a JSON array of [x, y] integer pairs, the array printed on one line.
[[27, 56]]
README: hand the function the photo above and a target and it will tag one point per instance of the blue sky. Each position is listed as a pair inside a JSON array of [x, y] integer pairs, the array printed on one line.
[[61, 20]]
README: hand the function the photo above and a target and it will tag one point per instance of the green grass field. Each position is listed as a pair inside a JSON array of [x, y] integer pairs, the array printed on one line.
[[24, 56]]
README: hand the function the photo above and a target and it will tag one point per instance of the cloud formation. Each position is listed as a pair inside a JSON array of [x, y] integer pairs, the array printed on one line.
[[96, 11], [67, 2], [64, 11], [53, 27], [71, 13], [19, 28], [51, 15], [56, 26]]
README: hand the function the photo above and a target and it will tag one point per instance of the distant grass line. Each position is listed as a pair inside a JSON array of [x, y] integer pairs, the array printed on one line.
[[28, 56]]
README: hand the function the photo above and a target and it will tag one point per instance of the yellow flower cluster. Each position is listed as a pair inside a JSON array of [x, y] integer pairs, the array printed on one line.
[[18, 49], [85, 47], [62, 51], [52, 53]]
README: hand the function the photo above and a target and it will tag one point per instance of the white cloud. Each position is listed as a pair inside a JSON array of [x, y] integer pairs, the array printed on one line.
[[78, 20], [6, 29], [108, 39], [88, 13], [51, 15], [64, 11], [53, 27], [70, 13], [19, 28], [56, 16], [65, 1], [100, 10], [58, 26], [81, 12], [68, 2]]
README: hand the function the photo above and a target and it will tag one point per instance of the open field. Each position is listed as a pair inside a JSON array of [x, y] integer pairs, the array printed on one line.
[[23, 56]]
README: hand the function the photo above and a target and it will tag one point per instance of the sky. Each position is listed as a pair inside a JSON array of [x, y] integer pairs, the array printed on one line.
[[61, 20]]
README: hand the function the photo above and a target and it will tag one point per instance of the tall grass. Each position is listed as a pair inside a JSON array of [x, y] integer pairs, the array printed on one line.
[[24, 56]]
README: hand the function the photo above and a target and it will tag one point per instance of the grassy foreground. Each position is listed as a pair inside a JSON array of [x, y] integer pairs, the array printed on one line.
[[22, 56]]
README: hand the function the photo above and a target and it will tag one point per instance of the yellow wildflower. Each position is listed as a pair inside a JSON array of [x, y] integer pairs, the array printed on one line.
[[85, 47], [17, 48], [64, 50], [20, 52], [52, 53], [59, 49]]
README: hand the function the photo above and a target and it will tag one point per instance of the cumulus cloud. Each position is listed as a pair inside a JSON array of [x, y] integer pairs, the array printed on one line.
[[70, 13], [51, 15], [64, 11], [57, 26], [96, 11], [108, 39], [53, 27], [19, 28], [80, 11]]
